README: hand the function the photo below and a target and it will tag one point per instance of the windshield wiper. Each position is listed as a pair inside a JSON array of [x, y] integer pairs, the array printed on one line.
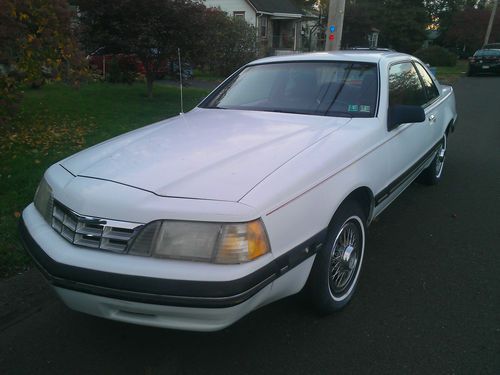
[[346, 75]]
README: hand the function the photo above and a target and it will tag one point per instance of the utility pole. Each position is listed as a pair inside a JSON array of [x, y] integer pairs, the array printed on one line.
[[335, 23], [490, 24]]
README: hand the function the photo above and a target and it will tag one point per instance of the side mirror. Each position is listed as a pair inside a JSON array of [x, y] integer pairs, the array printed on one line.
[[404, 114]]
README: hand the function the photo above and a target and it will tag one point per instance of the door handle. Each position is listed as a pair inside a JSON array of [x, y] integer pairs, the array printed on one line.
[[432, 119]]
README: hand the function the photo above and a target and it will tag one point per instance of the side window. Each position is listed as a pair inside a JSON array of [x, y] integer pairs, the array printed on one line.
[[239, 15], [430, 87], [263, 26], [405, 86]]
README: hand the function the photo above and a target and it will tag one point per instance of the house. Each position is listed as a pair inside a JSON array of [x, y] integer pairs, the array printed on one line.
[[280, 24]]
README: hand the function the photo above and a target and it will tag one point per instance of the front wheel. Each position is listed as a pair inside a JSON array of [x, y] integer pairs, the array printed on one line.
[[336, 269], [432, 174]]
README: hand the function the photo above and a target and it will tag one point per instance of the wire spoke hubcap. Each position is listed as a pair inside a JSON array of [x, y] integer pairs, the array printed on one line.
[[440, 158], [344, 258]]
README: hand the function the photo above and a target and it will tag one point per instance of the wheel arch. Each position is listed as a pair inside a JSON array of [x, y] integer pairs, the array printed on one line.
[[449, 127], [364, 197]]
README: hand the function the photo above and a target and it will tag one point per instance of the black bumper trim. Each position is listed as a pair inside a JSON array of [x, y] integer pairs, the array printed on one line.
[[210, 294]]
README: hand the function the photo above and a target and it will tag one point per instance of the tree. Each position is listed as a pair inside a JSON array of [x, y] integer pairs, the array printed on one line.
[[228, 42], [151, 29], [468, 27], [443, 14], [402, 23], [36, 43], [357, 25]]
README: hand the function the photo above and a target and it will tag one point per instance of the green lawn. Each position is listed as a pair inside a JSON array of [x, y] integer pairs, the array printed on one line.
[[449, 74], [56, 121], [207, 76]]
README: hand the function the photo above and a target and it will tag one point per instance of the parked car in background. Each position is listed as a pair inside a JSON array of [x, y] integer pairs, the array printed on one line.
[[267, 185], [492, 46], [484, 61], [100, 59]]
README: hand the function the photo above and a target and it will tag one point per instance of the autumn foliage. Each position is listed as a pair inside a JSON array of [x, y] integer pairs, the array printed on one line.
[[36, 44], [468, 28]]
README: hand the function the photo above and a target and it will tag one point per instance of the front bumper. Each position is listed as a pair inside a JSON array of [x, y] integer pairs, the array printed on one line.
[[175, 317], [173, 303]]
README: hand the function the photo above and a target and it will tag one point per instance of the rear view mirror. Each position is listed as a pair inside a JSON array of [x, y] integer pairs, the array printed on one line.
[[404, 114]]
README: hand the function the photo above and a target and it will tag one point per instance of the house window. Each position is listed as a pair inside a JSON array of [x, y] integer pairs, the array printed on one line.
[[239, 15], [263, 26]]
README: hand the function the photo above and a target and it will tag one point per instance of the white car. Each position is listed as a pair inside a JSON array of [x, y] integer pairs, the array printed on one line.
[[266, 186]]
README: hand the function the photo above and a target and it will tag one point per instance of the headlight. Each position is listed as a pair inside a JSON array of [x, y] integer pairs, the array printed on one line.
[[201, 241], [43, 200]]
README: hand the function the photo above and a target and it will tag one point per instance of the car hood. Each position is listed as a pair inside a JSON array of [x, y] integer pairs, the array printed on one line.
[[205, 154]]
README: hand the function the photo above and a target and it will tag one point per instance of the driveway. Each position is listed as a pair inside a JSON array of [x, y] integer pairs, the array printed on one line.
[[428, 300]]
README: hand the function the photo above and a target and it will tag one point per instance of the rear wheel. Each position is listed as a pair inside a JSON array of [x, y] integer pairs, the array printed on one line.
[[336, 269], [432, 174]]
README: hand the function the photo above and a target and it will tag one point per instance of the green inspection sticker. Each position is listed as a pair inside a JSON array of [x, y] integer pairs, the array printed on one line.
[[353, 108], [364, 108]]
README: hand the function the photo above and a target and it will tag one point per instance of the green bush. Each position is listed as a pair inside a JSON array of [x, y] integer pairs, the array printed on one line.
[[121, 69], [436, 56]]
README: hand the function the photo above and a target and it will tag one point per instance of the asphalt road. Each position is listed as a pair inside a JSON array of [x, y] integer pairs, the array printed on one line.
[[428, 300]]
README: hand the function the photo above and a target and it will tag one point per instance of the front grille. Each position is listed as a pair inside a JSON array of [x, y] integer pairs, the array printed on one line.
[[92, 232]]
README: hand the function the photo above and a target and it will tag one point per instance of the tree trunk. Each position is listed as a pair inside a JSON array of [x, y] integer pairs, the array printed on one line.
[[149, 82]]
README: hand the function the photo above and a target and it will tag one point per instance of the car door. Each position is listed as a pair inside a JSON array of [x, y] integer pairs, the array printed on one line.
[[408, 143], [433, 110]]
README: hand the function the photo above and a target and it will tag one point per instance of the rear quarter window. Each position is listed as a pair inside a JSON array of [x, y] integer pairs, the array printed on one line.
[[430, 88]]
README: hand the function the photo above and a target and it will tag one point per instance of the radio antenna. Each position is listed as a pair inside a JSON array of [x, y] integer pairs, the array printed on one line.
[[180, 79]]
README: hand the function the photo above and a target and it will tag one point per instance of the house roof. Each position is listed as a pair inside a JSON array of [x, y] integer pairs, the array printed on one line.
[[275, 6]]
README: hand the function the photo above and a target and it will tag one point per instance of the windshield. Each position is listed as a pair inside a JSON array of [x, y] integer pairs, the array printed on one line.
[[488, 52], [316, 88]]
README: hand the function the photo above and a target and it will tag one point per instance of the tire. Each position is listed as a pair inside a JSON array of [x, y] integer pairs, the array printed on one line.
[[434, 172], [335, 272]]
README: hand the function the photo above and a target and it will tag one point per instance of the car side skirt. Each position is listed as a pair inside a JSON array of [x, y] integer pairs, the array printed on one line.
[[389, 193]]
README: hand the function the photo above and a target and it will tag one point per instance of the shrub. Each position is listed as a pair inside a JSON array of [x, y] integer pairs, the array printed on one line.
[[121, 69], [436, 56]]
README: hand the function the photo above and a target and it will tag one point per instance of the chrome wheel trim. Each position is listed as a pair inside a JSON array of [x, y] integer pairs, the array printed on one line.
[[440, 158], [346, 256]]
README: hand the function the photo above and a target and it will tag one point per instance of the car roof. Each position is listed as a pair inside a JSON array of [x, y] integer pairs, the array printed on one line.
[[371, 56], [487, 50], [491, 46]]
